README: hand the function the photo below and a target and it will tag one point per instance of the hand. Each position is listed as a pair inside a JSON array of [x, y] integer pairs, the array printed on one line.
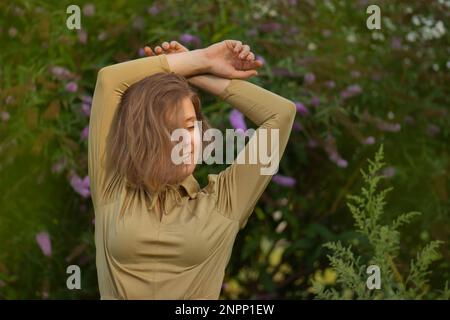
[[231, 59], [173, 47], [238, 60]]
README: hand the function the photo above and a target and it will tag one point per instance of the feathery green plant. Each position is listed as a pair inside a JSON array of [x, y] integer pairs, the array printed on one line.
[[384, 244]]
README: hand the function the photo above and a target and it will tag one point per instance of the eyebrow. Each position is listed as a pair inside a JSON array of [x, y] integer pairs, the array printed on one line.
[[191, 118]]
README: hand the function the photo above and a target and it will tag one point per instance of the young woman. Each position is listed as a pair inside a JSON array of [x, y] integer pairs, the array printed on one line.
[[158, 234]]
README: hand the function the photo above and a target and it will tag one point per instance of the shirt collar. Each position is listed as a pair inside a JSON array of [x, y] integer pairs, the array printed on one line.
[[191, 186]]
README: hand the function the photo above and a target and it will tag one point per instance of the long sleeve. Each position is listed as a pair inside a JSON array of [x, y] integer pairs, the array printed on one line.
[[112, 81], [241, 184]]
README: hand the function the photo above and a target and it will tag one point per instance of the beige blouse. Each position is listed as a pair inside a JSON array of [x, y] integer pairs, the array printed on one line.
[[183, 255]]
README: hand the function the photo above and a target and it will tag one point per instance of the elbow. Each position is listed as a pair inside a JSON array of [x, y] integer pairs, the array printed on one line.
[[292, 109], [101, 74], [285, 116], [289, 111], [105, 76]]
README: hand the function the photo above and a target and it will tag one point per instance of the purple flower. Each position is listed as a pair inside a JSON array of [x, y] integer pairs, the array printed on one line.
[[301, 109], [369, 140], [388, 172], [342, 163], [89, 10], [354, 89], [61, 73], [86, 109], [293, 30], [330, 84], [153, 10], [82, 36], [85, 133], [351, 91], [260, 58], [355, 74], [187, 38], [433, 130], [237, 120], [284, 180], [283, 72], [270, 27], [86, 99], [71, 86], [326, 33], [297, 126], [141, 52], [59, 166], [389, 127], [253, 32], [43, 240], [396, 43], [312, 143], [81, 186], [309, 78], [5, 115], [334, 156], [315, 101]]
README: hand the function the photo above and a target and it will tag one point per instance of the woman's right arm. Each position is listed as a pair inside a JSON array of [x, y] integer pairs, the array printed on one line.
[[240, 185]]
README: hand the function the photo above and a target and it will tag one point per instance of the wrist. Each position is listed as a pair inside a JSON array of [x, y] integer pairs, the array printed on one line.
[[201, 61]]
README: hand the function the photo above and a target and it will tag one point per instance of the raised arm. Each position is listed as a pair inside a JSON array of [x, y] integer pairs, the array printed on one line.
[[240, 185]]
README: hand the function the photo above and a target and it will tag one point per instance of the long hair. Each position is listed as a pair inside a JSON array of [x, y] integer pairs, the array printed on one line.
[[138, 147]]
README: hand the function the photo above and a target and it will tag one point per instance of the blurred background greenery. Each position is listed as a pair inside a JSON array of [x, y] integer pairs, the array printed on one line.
[[354, 89]]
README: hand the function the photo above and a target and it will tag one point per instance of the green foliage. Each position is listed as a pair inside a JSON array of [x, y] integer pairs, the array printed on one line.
[[382, 249]]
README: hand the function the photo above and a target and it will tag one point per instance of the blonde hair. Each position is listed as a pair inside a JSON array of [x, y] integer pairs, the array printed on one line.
[[138, 147]]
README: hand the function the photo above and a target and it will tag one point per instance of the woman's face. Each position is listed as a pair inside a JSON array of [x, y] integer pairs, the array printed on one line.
[[190, 123]]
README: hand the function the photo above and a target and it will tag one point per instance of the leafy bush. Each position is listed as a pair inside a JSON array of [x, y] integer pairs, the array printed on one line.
[[381, 250]]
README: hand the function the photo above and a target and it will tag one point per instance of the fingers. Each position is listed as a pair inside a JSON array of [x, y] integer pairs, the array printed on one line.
[[256, 64], [175, 45], [167, 48], [237, 46], [245, 51], [148, 51], [251, 56]]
